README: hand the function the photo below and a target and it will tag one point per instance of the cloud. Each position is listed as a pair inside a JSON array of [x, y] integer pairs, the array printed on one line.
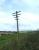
[[6, 18], [2, 2], [27, 5], [27, 20], [29, 17], [16, 1], [30, 1], [8, 27]]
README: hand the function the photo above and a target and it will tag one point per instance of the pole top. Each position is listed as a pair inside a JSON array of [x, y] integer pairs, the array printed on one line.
[[18, 11]]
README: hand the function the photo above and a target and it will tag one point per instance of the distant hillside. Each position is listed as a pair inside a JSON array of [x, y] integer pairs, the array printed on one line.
[[7, 32]]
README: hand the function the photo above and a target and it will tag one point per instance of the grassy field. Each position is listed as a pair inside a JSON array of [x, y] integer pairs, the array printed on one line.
[[26, 41]]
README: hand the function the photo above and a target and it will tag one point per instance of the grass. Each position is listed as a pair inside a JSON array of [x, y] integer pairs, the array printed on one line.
[[26, 41], [6, 39], [9, 39]]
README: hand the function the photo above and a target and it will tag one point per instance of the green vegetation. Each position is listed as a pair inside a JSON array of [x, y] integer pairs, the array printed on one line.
[[26, 41]]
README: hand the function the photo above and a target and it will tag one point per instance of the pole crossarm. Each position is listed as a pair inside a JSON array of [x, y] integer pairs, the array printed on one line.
[[16, 16]]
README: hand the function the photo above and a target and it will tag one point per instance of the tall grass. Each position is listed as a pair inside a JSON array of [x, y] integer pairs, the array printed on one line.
[[26, 41]]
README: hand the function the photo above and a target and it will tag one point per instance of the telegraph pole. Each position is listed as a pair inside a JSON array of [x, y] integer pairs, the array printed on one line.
[[17, 22], [16, 16]]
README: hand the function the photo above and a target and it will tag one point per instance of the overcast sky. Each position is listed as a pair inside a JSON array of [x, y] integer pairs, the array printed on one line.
[[28, 20]]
